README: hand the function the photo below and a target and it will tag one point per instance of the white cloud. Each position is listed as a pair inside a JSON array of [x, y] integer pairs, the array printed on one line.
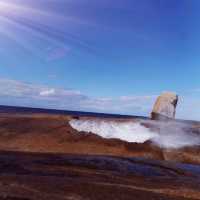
[[19, 93], [47, 92]]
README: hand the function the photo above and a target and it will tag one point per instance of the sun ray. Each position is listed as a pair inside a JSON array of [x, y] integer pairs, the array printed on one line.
[[46, 32], [24, 28], [30, 12], [39, 24]]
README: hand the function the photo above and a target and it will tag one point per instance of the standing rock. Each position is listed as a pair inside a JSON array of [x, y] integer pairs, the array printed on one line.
[[165, 106]]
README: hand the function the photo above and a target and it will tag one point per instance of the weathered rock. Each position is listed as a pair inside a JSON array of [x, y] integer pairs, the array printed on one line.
[[165, 106]]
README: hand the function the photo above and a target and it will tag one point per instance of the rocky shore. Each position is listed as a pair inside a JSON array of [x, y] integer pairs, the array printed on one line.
[[43, 157]]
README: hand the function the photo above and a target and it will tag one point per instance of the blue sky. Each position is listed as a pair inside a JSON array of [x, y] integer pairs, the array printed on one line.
[[106, 56]]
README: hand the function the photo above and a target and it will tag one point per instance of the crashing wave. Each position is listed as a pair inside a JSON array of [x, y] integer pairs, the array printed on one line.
[[127, 131], [168, 136]]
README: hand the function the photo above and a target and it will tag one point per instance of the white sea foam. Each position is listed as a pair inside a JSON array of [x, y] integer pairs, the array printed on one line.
[[128, 131], [169, 135]]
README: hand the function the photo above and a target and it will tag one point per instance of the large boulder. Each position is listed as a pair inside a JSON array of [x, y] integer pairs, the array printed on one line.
[[165, 106]]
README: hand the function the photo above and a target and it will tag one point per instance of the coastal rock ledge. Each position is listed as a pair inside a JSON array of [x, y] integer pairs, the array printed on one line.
[[165, 106]]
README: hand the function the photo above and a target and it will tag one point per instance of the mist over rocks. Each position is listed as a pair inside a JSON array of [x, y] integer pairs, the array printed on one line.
[[173, 134], [165, 106], [164, 134]]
